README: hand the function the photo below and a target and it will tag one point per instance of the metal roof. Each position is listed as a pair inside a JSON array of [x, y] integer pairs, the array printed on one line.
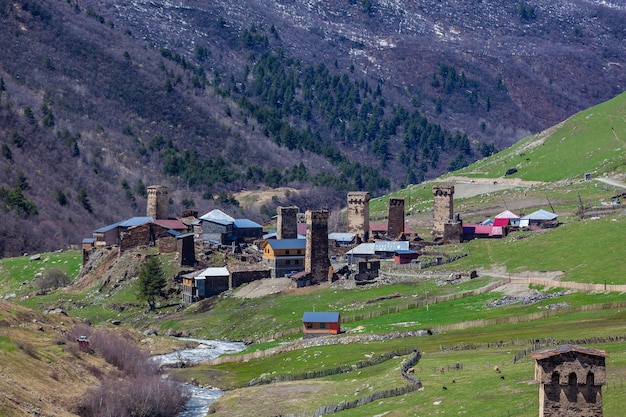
[[341, 237], [362, 249], [246, 224], [213, 272], [287, 243], [320, 317], [217, 216], [89, 240], [405, 252], [384, 246], [171, 224], [544, 354], [506, 214], [136, 221], [540, 215]]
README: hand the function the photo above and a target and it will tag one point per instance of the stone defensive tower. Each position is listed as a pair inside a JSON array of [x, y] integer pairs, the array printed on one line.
[[395, 225], [158, 202], [287, 222], [316, 260], [571, 379], [359, 214], [445, 227]]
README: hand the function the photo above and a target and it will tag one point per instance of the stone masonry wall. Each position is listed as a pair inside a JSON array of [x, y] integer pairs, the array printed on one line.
[[287, 222], [316, 259], [359, 214]]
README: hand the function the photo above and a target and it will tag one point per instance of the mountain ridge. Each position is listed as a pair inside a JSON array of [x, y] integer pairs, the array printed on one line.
[[100, 99]]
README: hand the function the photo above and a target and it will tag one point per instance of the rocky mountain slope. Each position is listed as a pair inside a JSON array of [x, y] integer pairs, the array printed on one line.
[[99, 99]]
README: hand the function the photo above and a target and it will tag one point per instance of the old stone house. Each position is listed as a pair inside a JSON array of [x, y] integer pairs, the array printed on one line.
[[571, 379]]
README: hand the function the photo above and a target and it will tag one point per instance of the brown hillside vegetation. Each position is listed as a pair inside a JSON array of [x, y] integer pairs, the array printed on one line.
[[42, 371]]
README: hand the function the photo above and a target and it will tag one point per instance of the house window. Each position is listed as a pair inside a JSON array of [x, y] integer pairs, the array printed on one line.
[[297, 261], [288, 262], [287, 252], [299, 251], [322, 325]]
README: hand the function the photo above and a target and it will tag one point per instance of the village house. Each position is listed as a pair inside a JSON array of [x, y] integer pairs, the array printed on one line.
[[506, 218], [220, 228], [208, 282], [379, 249], [284, 256], [316, 324], [540, 219], [402, 256]]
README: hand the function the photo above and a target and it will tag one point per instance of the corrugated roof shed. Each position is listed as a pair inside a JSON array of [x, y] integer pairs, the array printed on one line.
[[320, 317]]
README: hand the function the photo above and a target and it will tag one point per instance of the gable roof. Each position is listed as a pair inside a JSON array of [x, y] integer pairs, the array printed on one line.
[[384, 246], [246, 224], [506, 214], [287, 243], [171, 224], [544, 354], [320, 317], [540, 215], [136, 221], [213, 272], [218, 216]]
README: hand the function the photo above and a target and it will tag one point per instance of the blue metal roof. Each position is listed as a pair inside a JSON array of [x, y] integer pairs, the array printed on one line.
[[89, 240], [246, 224], [136, 221], [320, 317], [540, 215], [105, 229], [287, 243], [405, 252]]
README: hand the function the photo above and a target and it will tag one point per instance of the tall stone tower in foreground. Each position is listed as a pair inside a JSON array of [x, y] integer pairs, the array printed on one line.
[[395, 224], [359, 214], [287, 222], [316, 260], [571, 379], [158, 202]]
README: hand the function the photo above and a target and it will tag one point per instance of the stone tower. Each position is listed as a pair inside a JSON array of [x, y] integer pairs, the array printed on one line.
[[359, 214], [571, 379], [287, 222], [395, 225], [158, 202], [316, 260]]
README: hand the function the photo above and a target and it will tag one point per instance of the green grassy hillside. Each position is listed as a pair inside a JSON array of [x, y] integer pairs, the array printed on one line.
[[473, 328]]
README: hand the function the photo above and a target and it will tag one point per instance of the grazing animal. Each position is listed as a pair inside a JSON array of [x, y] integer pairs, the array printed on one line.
[[410, 371], [442, 369], [502, 377], [496, 369], [444, 388], [454, 381]]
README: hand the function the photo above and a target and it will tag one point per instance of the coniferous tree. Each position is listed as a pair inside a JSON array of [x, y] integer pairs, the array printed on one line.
[[151, 282]]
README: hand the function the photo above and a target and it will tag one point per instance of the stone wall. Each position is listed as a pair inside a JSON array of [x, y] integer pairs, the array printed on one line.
[[359, 214], [316, 260], [238, 278], [287, 222], [443, 207], [158, 202], [395, 224]]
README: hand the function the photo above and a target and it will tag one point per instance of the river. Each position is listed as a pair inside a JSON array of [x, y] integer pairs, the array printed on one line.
[[201, 398]]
